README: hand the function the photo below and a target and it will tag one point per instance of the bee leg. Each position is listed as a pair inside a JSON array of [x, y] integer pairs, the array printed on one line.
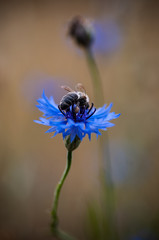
[[90, 108], [82, 110], [91, 114], [61, 110], [76, 108]]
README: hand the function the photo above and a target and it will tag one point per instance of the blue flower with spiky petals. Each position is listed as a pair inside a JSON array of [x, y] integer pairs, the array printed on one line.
[[71, 123]]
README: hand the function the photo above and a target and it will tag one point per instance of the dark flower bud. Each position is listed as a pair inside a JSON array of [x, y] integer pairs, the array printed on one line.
[[81, 30], [72, 145]]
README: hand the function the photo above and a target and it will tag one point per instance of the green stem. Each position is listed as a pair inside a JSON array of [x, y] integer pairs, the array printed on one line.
[[97, 83], [104, 144], [54, 224]]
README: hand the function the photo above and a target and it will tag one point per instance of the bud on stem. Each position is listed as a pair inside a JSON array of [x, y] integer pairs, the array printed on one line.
[[81, 31], [72, 145]]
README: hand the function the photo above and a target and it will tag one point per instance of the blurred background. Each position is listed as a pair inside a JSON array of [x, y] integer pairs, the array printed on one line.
[[35, 54]]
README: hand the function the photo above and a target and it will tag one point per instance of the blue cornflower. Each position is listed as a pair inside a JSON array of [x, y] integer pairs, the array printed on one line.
[[71, 123]]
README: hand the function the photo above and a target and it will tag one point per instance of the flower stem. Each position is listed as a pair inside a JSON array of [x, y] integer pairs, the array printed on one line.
[[97, 83], [104, 145], [54, 224]]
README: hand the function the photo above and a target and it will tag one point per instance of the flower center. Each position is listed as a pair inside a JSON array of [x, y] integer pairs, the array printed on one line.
[[78, 113]]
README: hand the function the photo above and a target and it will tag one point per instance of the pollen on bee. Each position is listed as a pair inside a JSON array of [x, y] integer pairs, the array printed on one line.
[[76, 109]]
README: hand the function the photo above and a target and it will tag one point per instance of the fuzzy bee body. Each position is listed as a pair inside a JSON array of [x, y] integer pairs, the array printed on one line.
[[76, 103], [78, 98], [68, 100]]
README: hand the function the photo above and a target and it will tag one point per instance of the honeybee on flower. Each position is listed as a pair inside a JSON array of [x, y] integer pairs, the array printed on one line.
[[73, 117]]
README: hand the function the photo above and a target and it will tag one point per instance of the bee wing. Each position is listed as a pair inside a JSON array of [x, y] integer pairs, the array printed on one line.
[[68, 89], [79, 87]]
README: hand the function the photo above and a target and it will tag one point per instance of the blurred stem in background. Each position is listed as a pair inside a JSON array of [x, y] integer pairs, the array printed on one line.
[[54, 224], [97, 83], [108, 194], [82, 32]]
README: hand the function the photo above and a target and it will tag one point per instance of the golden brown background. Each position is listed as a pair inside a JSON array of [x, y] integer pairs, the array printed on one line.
[[36, 53]]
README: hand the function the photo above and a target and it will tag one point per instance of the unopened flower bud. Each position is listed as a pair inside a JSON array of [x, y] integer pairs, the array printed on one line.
[[81, 30], [72, 145]]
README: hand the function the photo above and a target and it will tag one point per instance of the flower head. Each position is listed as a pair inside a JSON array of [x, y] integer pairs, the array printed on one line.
[[72, 123], [81, 30]]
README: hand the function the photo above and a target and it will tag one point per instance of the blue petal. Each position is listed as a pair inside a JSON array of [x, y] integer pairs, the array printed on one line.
[[68, 127], [73, 135], [51, 130]]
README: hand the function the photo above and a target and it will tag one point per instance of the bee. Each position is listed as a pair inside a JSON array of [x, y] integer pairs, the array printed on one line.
[[78, 99]]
